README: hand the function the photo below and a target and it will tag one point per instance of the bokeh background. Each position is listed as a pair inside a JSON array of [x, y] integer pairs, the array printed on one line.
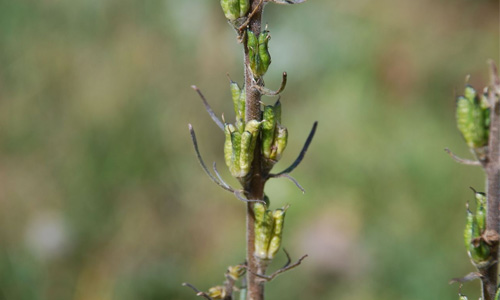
[[101, 196]]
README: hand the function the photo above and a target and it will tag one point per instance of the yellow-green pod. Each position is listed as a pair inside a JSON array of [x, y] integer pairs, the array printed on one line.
[[275, 243], [268, 128], [470, 93], [464, 118], [246, 155], [253, 127], [228, 146], [235, 158], [462, 297], [259, 211], [265, 57], [231, 9], [217, 292], [244, 6], [263, 232], [468, 228], [280, 142], [253, 47], [497, 295], [240, 122], [235, 93], [236, 272], [481, 210]]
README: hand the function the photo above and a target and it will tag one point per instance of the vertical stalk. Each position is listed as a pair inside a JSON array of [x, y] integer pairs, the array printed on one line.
[[254, 185], [492, 168]]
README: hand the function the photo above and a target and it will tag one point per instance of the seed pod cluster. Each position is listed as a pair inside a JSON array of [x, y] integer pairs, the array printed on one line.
[[258, 52], [473, 120], [234, 9], [274, 135], [478, 250], [241, 138], [268, 231]]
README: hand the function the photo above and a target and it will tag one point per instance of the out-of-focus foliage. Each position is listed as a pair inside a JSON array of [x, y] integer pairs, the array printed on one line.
[[100, 193]]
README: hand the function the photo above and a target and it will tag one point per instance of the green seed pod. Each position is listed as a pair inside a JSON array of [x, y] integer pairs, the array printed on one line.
[[254, 128], [246, 155], [265, 57], [236, 272], [277, 111], [468, 228], [470, 93], [268, 128], [497, 295], [253, 47], [235, 158], [263, 231], [217, 292], [231, 9], [481, 210], [275, 243], [244, 7], [240, 122], [259, 211], [462, 297], [471, 121], [228, 145], [281, 141], [235, 93]]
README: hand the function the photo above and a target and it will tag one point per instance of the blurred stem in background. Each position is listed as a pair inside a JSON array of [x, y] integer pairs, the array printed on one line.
[[478, 119]]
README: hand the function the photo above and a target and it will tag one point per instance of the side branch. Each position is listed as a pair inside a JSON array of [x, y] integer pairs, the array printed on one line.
[[198, 292], [219, 181], [462, 160], [288, 266], [268, 92]]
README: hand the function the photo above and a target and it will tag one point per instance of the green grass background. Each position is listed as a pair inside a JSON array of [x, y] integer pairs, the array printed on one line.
[[101, 196]]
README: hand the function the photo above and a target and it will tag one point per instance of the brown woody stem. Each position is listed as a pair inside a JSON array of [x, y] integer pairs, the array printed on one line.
[[489, 274], [254, 183]]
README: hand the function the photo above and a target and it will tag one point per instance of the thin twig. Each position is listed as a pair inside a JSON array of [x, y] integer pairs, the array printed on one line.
[[198, 292], [301, 155], [268, 92], [462, 160], [208, 108], [286, 175], [200, 160], [254, 11], [286, 2], [469, 277], [220, 177], [285, 268]]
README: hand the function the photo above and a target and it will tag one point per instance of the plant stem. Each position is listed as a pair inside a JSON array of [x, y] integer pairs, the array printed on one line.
[[492, 168], [254, 184]]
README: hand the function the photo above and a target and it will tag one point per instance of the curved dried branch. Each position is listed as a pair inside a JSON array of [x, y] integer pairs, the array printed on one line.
[[198, 292], [208, 108], [285, 268], [220, 177], [268, 92], [462, 160], [301, 155], [239, 195], [286, 2], [254, 11], [202, 163], [286, 175]]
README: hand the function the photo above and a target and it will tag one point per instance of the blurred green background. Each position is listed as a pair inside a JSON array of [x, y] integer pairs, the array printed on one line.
[[101, 196]]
